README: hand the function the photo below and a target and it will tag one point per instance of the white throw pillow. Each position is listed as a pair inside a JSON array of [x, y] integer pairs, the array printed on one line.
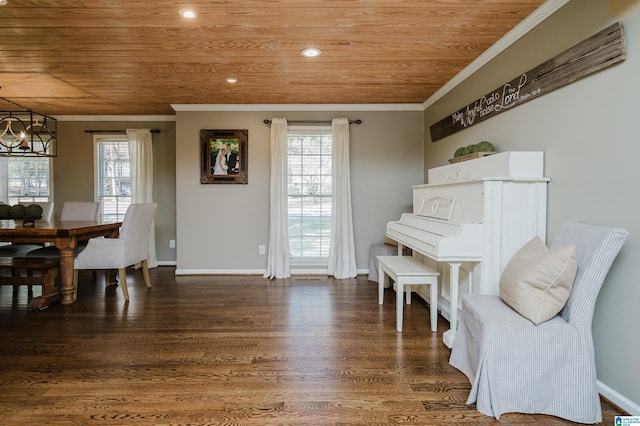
[[537, 281]]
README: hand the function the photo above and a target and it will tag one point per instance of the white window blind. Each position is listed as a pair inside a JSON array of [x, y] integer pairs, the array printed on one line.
[[112, 176], [309, 193]]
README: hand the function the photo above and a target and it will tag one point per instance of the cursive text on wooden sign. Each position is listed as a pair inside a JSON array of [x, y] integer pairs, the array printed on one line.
[[599, 51]]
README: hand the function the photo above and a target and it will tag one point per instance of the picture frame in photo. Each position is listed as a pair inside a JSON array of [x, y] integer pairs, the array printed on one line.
[[223, 156]]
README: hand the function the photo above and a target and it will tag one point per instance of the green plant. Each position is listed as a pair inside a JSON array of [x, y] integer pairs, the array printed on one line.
[[484, 146]]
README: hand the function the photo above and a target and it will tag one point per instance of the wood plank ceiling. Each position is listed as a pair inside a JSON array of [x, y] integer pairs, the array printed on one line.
[[137, 57]]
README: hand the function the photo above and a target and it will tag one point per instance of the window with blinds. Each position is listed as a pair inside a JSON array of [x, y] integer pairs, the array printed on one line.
[[309, 194], [112, 177], [25, 180]]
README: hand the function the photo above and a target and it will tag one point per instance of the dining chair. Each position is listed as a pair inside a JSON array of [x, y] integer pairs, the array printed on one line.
[[131, 247], [47, 211], [79, 211], [517, 366], [72, 211]]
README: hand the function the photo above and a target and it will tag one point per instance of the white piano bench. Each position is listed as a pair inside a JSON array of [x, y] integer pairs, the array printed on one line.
[[408, 272]]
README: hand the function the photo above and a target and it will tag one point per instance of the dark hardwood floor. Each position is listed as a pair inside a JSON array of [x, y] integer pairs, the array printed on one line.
[[221, 350]]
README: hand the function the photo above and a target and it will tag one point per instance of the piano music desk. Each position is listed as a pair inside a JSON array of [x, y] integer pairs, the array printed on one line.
[[407, 271]]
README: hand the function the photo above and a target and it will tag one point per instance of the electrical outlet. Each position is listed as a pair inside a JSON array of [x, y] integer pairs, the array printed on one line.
[[261, 249], [172, 243]]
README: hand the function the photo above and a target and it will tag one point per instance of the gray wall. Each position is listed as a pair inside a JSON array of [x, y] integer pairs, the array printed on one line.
[[220, 227], [589, 133], [73, 171]]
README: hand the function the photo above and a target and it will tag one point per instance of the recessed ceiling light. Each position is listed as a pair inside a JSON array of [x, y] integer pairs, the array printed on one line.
[[311, 52], [188, 13], [232, 80], [3, 2]]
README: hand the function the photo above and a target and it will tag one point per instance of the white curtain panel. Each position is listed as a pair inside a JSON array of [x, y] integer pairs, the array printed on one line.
[[141, 159], [342, 253], [278, 256]]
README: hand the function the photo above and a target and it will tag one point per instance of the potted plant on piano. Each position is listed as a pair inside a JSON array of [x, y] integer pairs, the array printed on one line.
[[470, 152]]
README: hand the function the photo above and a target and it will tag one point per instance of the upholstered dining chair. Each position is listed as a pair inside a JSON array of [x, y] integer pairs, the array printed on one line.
[[47, 211], [131, 247], [72, 211], [80, 211], [516, 366]]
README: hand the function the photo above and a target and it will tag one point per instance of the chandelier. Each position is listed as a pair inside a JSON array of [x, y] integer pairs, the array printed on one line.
[[24, 133]]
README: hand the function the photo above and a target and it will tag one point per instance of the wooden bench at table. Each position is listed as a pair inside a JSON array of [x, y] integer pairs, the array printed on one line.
[[48, 268]]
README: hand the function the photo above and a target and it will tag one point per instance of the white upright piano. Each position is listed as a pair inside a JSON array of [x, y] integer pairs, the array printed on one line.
[[470, 219]]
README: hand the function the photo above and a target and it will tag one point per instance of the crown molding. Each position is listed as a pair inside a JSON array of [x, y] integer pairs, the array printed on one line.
[[115, 117], [547, 9], [296, 107]]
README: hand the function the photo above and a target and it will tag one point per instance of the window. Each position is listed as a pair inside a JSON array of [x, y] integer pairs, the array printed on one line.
[[25, 180], [309, 193], [112, 177]]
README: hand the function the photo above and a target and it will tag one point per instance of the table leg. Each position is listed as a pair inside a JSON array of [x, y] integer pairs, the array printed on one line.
[[66, 275]]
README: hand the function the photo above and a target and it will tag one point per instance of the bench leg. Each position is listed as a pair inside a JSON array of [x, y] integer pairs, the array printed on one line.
[[433, 305], [399, 303], [50, 292], [380, 285], [49, 281]]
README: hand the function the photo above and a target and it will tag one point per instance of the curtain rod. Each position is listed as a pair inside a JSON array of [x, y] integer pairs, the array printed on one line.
[[116, 131], [268, 122]]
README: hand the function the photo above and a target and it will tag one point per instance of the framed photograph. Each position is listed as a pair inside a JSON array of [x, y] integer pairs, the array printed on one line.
[[224, 156]]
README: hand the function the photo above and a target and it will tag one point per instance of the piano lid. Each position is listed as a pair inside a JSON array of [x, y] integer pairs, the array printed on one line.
[[438, 239]]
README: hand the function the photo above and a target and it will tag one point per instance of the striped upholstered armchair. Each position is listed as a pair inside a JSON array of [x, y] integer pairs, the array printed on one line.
[[516, 366]]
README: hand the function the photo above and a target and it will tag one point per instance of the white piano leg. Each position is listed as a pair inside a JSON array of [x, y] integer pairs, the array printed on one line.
[[454, 279]]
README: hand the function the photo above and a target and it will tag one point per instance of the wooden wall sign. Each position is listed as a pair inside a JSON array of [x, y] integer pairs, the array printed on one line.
[[587, 57]]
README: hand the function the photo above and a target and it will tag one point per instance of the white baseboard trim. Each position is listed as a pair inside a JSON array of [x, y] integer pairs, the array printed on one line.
[[219, 271], [620, 400], [321, 271], [182, 271]]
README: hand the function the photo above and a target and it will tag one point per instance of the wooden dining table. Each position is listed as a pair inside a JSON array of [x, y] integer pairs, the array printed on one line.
[[65, 236]]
